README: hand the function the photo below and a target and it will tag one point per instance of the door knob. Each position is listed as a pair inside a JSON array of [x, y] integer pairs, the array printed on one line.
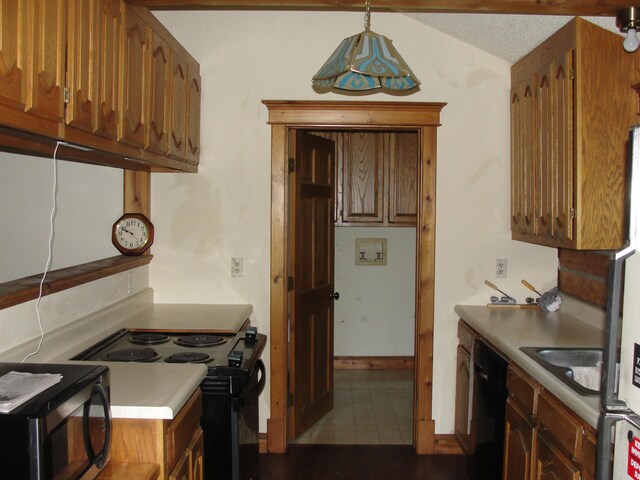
[[335, 295]]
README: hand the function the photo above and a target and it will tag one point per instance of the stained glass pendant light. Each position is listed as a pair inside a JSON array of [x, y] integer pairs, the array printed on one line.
[[366, 61]]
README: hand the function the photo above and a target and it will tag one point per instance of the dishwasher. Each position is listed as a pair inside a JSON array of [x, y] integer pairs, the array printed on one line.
[[489, 400]]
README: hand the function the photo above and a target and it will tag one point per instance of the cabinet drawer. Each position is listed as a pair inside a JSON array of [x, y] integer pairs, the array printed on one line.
[[521, 388], [466, 336], [182, 427], [560, 424]]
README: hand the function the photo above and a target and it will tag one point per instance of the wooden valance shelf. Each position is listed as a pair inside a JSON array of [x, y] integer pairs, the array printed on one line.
[[28, 288]]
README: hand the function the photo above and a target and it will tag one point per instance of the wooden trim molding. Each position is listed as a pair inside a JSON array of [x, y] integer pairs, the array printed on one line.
[[28, 288], [575, 7], [373, 363], [424, 118], [447, 445]]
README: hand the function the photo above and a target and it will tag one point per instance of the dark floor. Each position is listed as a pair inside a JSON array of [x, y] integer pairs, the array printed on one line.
[[359, 462]]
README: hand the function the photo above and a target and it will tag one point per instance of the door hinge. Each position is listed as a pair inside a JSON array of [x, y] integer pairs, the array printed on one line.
[[67, 97], [572, 74], [290, 399], [572, 213], [290, 283], [292, 165]]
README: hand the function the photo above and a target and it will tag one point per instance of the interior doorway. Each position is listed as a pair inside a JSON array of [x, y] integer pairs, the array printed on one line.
[[420, 117]]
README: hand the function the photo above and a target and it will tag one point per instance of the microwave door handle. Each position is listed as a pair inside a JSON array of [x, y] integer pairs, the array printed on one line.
[[100, 458]]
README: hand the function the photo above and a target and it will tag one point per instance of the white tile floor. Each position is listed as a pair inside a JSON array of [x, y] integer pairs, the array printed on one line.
[[371, 407]]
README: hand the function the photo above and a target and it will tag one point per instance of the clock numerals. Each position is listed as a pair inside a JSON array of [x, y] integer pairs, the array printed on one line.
[[132, 234]]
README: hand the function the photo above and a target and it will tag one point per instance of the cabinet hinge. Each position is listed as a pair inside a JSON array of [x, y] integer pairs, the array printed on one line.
[[292, 165], [290, 283], [572, 213], [67, 97], [572, 74], [290, 399]]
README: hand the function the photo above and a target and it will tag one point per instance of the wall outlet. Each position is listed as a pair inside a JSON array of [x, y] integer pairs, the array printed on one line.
[[236, 267], [501, 268]]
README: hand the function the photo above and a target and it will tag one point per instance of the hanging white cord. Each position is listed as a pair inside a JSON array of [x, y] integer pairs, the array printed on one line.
[[50, 253]]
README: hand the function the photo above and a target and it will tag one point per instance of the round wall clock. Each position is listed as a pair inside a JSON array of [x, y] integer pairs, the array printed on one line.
[[132, 234]]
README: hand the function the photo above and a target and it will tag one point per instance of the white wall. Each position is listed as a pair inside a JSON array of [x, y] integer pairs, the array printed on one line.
[[89, 200], [375, 315], [203, 220]]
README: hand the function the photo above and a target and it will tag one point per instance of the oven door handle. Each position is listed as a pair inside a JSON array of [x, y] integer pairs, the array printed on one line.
[[257, 389], [100, 458]]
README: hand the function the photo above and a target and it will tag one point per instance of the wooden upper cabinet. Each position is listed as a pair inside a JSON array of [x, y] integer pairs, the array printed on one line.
[[133, 76], [13, 64], [45, 84], [93, 42], [363, 170], [403, 175], [178, 107], [377, 179], [158, 94], [568, 139], [193, 114]]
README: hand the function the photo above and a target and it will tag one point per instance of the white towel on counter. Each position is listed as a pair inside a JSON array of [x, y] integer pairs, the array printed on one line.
[[588, 377]]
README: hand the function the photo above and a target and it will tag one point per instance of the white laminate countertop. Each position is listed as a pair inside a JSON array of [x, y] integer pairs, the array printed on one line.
[[508, 329], [139, 390]]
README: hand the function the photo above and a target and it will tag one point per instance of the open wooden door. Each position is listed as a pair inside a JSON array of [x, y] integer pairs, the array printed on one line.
[[311, 254]]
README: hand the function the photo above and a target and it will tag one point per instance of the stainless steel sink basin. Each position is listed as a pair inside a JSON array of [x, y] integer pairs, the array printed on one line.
[[561, 362]]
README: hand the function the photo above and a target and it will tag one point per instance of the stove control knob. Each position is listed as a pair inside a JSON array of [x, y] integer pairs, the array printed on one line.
[[251, 334], [235, 358]]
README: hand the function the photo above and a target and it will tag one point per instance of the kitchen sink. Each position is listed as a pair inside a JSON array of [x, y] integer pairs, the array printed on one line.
[[570, 365]]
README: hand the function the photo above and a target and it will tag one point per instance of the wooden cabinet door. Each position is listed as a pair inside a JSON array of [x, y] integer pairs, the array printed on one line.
[[133, 74], [363, 170], [13, 20], [464, 375], [551, 464], [193, 114], [178, 108], [181, 470], [519, 443], [403, 178], [45, 48], [523, 159], [196, 460], [158, 95], [92, 65]]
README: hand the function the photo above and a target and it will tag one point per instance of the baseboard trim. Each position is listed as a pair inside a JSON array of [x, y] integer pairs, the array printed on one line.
[[262, 443], [374, 363], [447, 445]]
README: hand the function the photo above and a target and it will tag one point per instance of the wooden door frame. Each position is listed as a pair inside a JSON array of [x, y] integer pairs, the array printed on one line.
[[424, 118]]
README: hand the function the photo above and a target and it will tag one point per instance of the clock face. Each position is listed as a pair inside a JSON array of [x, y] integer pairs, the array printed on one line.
[[132, 234]]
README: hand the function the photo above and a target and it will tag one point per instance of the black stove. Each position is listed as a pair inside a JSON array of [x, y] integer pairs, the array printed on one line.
[[234, 380]]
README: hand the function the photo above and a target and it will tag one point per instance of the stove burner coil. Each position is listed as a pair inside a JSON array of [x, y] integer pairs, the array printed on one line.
[[200, 340], [188, 357], [148, 338], [132, 355]]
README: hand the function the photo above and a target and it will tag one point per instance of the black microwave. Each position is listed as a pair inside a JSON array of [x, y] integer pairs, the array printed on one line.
[[63, 433]]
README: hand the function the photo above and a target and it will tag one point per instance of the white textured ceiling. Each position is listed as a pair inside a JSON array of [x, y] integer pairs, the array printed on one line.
[[509, 37]]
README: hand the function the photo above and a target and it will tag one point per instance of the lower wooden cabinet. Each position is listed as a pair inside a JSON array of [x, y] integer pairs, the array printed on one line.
[[552, 464], [174, 445], [519, 443]]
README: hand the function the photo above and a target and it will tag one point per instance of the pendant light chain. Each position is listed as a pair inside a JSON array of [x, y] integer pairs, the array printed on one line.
[[367, 15]]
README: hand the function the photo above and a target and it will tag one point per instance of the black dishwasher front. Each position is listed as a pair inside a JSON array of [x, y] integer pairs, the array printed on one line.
[[489, 399]]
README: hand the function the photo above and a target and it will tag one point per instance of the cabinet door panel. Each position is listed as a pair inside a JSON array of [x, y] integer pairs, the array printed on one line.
[[362, 189], [519, 442], [193, 115], [551, 464], [178, 109], [523, 158], [108, 39], [12, 58], [157, 139], [46, 44], [403, 176], [133, 78], [196, 449]]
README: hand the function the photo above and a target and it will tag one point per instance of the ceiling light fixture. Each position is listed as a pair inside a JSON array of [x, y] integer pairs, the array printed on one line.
[[366, 61], [628, 22]]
